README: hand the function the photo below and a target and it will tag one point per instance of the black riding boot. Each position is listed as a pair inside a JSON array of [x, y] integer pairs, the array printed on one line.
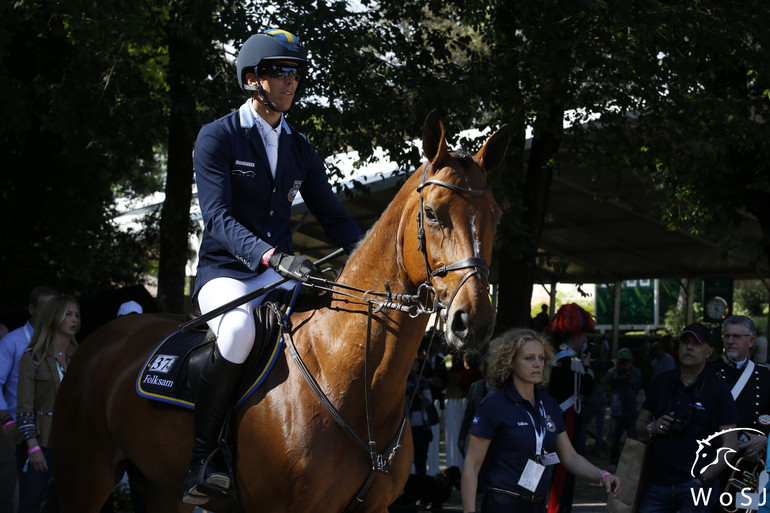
[[207, 476]]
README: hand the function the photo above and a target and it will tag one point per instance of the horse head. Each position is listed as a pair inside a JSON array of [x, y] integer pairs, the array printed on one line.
[[455, 216]]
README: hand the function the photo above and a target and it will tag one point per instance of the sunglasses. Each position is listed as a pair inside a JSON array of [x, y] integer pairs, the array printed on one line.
[[280, 71]]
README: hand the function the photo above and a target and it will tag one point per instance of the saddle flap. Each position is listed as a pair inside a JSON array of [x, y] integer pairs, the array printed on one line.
[[172, 372]]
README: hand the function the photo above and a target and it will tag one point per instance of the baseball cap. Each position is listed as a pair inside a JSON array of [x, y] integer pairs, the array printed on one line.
[[625, 354], [699, 331], [129, 307]]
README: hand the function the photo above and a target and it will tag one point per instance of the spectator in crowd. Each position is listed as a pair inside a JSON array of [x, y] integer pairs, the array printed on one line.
[[661, 360], [437, 373], [624, 379], [11, 348], [477, 392], [417, 386], [541, 320], [249, 166], [759, 351], [518, 432], [570, 384], [749, 385], [471, 371], [41, 369], [594, 409], [683, 406], [129, 307]]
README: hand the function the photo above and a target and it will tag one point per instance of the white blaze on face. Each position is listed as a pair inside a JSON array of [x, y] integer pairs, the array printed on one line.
[[474, 236]]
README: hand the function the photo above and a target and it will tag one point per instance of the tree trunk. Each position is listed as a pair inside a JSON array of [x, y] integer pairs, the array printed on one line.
[[518, 267], [175, 217]]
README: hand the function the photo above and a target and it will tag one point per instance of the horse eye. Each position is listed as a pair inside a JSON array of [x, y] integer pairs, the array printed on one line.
[[430, 215]]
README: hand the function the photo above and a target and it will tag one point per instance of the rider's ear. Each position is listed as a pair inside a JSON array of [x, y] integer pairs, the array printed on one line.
[[434, 140], [493, 151]]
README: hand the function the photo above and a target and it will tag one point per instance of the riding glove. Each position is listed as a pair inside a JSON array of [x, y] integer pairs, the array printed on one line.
[[293, 267]]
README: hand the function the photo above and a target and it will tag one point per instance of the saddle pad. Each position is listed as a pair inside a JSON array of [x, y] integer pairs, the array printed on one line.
[[167, 375]]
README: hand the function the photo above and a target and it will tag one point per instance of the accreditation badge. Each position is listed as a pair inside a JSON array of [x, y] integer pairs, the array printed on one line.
[[531, 475]]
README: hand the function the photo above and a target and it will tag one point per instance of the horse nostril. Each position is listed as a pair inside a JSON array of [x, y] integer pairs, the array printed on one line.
[[461, 324]]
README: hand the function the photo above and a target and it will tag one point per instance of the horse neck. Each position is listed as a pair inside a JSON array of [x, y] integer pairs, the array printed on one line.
[[378, 259], [395, 335]]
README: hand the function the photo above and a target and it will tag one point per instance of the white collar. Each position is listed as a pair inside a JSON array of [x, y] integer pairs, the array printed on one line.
[[740, 365], [249, 118]]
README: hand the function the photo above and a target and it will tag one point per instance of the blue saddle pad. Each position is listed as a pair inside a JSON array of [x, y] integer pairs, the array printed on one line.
[[171, 373]]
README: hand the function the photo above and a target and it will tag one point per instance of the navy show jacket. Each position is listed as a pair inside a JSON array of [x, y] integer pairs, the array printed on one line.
[[245, 211]]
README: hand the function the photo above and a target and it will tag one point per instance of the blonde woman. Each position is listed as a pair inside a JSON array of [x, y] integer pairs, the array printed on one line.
[[41, 369], [518, 431]]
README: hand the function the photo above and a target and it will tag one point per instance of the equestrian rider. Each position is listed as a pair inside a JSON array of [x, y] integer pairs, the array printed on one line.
[[249, 167]]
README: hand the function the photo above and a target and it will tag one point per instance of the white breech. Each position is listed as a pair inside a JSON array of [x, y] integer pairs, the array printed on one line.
[[235, 329]]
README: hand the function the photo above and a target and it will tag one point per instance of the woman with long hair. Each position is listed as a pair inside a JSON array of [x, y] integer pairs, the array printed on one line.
[[518, 431], [41, 369]]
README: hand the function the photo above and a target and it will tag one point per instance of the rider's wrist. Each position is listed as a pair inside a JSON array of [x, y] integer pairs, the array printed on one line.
[[266, 256]]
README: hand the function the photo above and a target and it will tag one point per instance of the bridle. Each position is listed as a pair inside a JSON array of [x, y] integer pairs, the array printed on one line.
[[479, 265], [381, 461]]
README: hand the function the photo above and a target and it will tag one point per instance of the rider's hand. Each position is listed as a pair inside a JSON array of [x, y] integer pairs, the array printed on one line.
[[293, 267]]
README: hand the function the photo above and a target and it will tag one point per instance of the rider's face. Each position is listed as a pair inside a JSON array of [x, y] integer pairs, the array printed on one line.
[[279, 91]]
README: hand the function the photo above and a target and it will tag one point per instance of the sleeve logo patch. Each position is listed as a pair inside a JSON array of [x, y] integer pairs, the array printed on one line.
[[294, 190]]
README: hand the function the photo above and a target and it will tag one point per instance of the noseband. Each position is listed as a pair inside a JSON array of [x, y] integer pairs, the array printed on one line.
[[478, 265]]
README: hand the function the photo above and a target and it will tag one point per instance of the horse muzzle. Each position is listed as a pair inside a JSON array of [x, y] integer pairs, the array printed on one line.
[[468, 326]]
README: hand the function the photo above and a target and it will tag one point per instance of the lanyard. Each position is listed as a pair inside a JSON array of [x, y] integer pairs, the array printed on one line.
[[539, 435]]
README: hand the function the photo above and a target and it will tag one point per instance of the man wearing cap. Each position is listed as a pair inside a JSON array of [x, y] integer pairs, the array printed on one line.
[[683, 406], [130, 307], [624, 379]]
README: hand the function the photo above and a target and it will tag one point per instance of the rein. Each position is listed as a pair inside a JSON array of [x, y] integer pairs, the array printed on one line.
[[414, 305]]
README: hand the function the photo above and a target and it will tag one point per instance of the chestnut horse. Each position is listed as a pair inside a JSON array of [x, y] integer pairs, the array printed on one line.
[[292, 456]]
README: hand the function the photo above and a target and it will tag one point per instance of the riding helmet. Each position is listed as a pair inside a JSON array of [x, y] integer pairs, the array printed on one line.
[[272, 45]]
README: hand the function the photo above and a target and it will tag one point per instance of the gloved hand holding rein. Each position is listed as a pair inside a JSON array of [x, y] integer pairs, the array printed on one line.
[[294, 267]]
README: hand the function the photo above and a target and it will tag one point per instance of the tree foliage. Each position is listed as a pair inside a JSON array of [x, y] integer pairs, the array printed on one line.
[[108, 97], [73, 130]]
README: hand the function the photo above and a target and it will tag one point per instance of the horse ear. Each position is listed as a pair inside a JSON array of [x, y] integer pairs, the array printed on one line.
[[434, 140], [493, 151]]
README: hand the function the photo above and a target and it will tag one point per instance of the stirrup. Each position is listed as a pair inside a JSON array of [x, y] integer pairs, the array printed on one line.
[[201, 487]]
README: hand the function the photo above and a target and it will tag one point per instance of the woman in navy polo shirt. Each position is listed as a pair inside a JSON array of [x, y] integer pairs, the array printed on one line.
[[518, 431]]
